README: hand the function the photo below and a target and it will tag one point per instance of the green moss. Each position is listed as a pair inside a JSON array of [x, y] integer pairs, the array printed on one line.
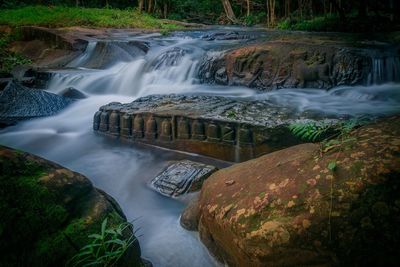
[[35, 227], [28, 210]]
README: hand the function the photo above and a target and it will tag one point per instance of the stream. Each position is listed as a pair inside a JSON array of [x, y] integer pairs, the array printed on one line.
[[124, 170]]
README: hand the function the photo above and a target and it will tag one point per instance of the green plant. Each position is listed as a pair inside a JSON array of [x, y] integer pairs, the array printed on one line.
[[231, 114], [8, 59], [309, 131], [107, 248], [325, 132]]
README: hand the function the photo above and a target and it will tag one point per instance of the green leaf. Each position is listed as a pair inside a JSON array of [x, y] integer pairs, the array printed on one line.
[[332, 166], [96, 236], [103, 226]]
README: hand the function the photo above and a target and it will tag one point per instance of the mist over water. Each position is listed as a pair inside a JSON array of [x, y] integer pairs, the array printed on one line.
[[124, 170]]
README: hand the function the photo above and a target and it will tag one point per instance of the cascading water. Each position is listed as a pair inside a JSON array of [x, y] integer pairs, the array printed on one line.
[[386, 69], [169, 66]]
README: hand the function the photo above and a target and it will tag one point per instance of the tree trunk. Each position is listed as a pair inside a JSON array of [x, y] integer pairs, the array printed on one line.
[[141, 5], [165, 11], [271, 12], [150, 7], [77, 3], [248, 7], [229, 11]]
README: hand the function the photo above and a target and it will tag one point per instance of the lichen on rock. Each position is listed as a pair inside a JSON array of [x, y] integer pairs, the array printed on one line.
[[288, 208]]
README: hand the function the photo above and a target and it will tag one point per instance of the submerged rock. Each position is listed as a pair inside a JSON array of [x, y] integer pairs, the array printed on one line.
[[73, 93], [48, 212], [303, 207], [19, 103], [182, 177]]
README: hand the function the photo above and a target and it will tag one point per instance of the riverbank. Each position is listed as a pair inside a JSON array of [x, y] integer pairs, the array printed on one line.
[[58, 16]]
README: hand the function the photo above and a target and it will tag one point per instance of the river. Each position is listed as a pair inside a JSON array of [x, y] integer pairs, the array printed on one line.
[[124, 170]]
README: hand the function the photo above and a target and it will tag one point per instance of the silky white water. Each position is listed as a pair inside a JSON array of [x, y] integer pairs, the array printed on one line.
[[124, 171]]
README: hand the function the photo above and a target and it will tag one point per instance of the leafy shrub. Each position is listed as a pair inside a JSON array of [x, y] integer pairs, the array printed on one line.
[[106, 249], [322, 23], [254, 19]]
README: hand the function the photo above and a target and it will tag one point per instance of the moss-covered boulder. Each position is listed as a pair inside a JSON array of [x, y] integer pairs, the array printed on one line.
[[47, 212], [310, 205]]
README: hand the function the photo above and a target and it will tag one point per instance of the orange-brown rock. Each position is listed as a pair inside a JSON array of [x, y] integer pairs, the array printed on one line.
[[288, 208]]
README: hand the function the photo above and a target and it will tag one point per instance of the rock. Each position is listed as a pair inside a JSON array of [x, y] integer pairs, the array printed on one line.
[[182, 177], [48, 47], [191, 215], [219, 36], [73, 93], [169, 58], [48, 212], [292, 208], [5, 78], [224, 128], [296, 63], [104, 54], [19, 103]]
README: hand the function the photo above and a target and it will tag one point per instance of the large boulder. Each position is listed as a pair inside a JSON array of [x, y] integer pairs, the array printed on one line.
[[48, 212], [309, 205], [301, 63], [224, 128], [19, 103]]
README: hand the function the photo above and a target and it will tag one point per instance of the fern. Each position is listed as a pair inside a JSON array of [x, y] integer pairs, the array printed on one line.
[[309, 131], [322, 132]]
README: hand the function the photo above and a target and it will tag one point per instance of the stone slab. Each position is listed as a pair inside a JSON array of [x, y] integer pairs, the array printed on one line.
[[182, 177]]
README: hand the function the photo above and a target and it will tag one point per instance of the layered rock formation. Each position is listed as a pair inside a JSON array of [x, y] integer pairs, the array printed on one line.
[[307, 205], [48, 212], [224, 128], [19, 103], [304, 64]]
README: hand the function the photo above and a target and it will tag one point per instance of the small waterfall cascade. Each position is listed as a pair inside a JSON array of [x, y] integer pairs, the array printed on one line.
[[156, 72], [384, 70]]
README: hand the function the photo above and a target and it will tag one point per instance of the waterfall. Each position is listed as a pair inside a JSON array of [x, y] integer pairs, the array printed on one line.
[[384, 70], [163, 70]]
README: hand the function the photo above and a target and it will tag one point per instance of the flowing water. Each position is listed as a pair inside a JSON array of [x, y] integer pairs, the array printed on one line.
[[124, 171]]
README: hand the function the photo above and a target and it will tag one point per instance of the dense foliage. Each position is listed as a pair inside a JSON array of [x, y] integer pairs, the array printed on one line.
[[356, 15]]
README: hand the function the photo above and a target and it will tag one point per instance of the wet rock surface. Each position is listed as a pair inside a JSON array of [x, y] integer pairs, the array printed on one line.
[[105, 54], [294, 208], [54, 212], [182, 177], [19, 103], [191, 215], [232, 35], [224, 128], [290, 64], [73, 93]]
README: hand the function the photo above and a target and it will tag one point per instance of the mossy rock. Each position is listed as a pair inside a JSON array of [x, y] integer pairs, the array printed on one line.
[[288, 208], [48, 212]]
